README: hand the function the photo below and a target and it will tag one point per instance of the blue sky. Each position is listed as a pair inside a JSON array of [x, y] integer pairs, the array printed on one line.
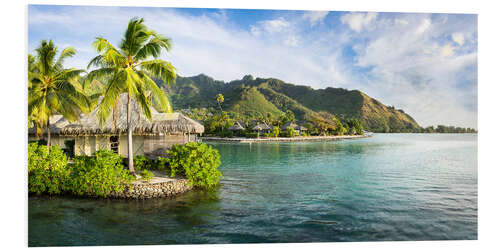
[[425, 64]]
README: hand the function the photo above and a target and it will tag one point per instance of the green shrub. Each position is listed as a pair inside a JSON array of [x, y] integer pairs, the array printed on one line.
[[146, 175], [47, 171], [198, 162], [141, 162], [225, 133], [268, 135], [98, 175], [162, 164], [252, 134]]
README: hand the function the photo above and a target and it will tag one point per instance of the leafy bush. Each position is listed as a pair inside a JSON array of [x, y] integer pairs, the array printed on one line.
[[252, 134], [162, 163], [225, 133], [268, 135], [98, 175], [146, 175], [198, 162], [141, 162], [47, 170]]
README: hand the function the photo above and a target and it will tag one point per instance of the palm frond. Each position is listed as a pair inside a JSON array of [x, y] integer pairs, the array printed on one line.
[[46, 53], [115, 87], [156, 92], [66, 53], [135, 36], [153, 47], [160, 69], [109, 54]]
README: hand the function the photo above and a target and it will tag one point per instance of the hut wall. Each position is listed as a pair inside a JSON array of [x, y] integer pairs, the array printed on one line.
[[102, 142], [54, 139], [137, 145], [91, 144], [155, 146], [80, 145]]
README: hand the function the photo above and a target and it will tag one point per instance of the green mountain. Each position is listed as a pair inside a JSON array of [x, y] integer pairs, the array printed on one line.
[[251, 97]]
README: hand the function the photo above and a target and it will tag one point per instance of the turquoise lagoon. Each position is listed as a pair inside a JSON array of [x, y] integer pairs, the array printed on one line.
[[389, 187]]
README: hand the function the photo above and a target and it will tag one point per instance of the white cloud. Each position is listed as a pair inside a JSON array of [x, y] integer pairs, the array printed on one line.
[[400, 22], [275, 25], [315, 17], [292, 41], [255, 30], [426, 23], [458, 38], [358, 21], [447, 50], [410, 68]]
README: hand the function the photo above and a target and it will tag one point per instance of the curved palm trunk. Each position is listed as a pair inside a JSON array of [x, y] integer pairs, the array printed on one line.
[[129, 134]]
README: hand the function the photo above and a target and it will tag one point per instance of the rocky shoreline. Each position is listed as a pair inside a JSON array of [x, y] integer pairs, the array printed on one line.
[[282, 139], [159, 186]]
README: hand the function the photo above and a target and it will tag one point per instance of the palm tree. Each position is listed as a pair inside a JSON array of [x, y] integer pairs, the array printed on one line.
[[51, 87], [220, 99], [128, 68]]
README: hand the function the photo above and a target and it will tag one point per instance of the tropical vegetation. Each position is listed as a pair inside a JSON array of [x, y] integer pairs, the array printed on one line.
[[104, 173], [99, 175], [47, 170], [129, 69], [198, 162], [51, 87]]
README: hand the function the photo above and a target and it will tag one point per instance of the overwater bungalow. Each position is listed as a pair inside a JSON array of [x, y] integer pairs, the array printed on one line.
[[150, 138]]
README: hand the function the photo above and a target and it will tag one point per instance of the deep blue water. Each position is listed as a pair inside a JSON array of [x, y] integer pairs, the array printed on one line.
[[388, 187]]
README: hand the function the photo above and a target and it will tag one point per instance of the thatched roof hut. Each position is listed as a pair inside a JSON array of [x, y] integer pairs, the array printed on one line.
[[290, 125], [151, 137], [236, 127], [261, 126]]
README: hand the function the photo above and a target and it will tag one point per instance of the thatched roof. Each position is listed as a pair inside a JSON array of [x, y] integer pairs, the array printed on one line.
[[57, 122], [161, 123], [262, 126], [291, 125], [294, 126], [236, 126]]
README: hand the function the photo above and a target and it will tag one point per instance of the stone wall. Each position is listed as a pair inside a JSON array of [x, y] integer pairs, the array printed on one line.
[[155, 188]]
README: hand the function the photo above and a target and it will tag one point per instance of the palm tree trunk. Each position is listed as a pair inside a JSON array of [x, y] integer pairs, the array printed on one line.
[[48, 134], [129, 134]]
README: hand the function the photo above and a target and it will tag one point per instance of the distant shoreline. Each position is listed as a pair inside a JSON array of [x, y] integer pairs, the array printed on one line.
[[282, 139]]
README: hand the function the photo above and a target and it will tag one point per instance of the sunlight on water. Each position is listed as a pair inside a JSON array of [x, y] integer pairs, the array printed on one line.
[[388, 187]]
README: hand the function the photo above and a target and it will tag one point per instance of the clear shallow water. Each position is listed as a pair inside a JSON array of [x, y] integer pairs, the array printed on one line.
[[388, 187]]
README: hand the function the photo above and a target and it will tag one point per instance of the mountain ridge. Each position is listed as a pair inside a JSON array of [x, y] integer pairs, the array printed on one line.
[[252, 96]]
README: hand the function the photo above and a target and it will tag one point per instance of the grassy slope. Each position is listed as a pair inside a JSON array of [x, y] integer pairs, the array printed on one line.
[[250, 101], [347, 104]]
